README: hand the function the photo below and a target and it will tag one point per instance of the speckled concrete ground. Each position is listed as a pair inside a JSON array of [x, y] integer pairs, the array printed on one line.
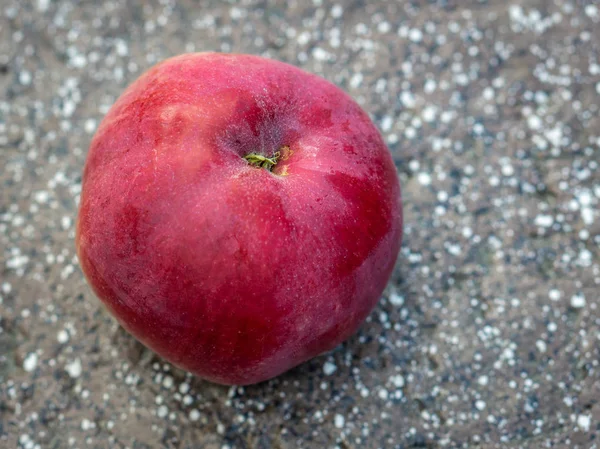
[[489, 333]]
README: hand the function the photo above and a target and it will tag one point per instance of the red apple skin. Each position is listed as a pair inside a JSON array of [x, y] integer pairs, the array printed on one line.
[[228, 270]]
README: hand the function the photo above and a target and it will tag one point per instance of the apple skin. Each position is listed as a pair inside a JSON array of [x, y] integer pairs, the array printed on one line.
[[231, 271]]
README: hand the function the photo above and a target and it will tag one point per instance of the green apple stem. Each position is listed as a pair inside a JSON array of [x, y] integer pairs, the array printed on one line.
[[260, 161]]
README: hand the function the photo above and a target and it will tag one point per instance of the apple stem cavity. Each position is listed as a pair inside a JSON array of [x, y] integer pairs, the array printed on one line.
[[260, 161]]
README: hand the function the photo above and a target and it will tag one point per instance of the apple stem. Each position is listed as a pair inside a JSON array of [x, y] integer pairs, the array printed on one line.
[[260, 161]]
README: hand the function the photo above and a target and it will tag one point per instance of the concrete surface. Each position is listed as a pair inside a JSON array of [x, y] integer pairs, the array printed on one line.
[[489, 333]]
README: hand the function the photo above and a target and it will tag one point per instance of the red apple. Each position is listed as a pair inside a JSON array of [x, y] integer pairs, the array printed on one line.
[[238, 215]]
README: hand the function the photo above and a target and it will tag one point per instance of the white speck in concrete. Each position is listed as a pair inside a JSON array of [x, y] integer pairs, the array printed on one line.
[[396, 299], [429, 113], [42, 5], [25, 78], [414, 165], [534, 122], [587, 215], [168, 382], [319, 54], [121, 47], [424, 178], [398, 380], [386, 123], [578, 301], [415, 35], [62, 336], [356, 80], [90, 125], [74, 368], [329, 368], [591, 11], [544, 221], [430, 86], [554, 136], [337, 11], [408, 99], [162, 411], [30, 362], [303, 38], [584, 422], [41, 196]]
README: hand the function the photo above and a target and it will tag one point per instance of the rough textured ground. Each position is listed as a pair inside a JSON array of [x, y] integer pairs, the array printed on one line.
[[489, 333]]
